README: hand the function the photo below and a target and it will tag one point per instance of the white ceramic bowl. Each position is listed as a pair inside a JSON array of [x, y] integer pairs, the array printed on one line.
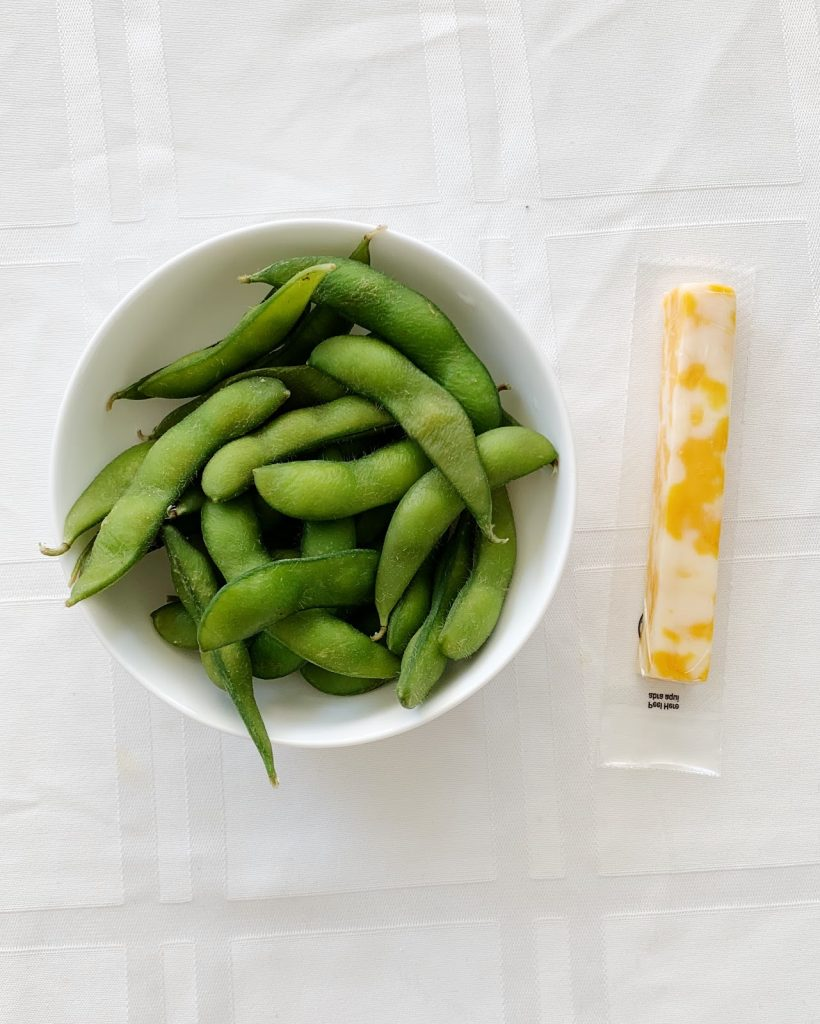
[[191, 301]]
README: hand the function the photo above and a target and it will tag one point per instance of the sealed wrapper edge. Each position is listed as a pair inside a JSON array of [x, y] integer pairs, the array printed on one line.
[[675, 641]]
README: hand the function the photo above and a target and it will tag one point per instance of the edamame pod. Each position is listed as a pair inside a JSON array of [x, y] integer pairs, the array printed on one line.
[[328, 536], [97, 500], [338, 685], [191, 500], [102, 494], [322, 321], [475, 611], [257, 332], [229, 667], [82, 558], [335, 645], [411, 609], [175, 626], [233, 537], [320, 489], [408, 321], [318, 635], [270, 659], [230, 471], [325, 537], [262, 596], [429, 413], [306, 384], [431, 505], [423, 662], [128, 529]]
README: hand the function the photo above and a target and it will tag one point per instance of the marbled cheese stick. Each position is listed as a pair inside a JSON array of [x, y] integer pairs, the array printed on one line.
[[681, 584]]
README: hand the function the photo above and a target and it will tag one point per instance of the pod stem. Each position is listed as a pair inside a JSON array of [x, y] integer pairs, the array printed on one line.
[[61, 550], [493, 537], [379, 633], [132, 392]]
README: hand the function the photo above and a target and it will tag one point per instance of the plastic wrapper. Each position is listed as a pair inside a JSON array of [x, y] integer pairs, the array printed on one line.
[[662, 705]]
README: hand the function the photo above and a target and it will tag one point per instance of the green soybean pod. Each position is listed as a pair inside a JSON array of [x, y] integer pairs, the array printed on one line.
[[476, 609], [429, 413], [324, 537], [97, 500], [411, 609], [175, 626], [229, 667], [361, 254], [338, 685], [191, 500], [270, 659], [431, 505], [230, 470], [322, 321], [82, 558], [306, 384], [172, 461], [319, 489], [408, 321], [259, 598], [84, 555], [257, 331], [423, 662], [319, 637], [233, 537]]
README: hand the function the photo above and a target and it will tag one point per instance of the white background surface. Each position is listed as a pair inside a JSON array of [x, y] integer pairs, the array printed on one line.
[[483, 869]]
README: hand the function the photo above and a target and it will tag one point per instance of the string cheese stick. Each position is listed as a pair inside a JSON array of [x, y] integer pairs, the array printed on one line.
[[681, 585]]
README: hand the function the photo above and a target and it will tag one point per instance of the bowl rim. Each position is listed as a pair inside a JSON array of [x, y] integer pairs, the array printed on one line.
[[449, 698]]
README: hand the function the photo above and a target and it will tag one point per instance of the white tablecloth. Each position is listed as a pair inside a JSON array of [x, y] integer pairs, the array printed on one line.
[[483, 869]]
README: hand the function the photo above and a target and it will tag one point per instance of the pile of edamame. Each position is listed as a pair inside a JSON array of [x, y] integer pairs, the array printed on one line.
[[329, 503]]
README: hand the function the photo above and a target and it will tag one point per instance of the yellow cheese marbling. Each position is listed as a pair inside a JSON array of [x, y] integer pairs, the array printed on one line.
[[696, 383]]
